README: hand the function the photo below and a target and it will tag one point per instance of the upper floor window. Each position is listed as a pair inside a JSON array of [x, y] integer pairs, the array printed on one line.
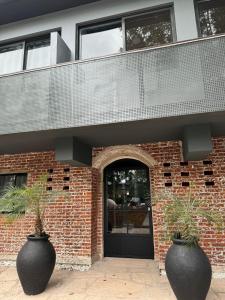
[[128, 33], [99, 40], [149, 30], [37, 53], [25, 55], [211, 17], [11, 58]]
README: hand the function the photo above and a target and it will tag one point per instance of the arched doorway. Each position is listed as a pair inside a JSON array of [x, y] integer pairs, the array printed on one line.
[[128, 228]]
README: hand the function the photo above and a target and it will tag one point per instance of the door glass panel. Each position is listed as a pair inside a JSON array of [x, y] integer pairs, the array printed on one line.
[[11, 58], [38, 53], [101, 40], [149, 30], [128, 201], [117, 221], [211, 17], [138, 221]]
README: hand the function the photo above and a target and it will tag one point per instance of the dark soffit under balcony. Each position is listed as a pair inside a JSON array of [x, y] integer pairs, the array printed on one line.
[[16, 10], [137, 132]]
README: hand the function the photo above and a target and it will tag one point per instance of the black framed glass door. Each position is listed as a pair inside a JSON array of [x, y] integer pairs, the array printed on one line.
[[128, 216]]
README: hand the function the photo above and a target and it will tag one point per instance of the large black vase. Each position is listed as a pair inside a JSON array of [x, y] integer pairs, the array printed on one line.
[[188, 270], [35, 264]]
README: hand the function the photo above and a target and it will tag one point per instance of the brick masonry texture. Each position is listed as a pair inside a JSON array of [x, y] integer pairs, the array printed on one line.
[[75, 223], [67, 220], [169, 161]]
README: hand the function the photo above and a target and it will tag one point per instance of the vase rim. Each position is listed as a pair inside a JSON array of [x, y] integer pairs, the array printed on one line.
[[183, 242], [32, 237]]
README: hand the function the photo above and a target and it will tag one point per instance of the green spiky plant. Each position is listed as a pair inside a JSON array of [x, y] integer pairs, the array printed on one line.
[[182, 217], [15, 201]]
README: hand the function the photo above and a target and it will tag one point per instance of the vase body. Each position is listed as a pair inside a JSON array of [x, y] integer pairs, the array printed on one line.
[[188, 270], [35, 264]]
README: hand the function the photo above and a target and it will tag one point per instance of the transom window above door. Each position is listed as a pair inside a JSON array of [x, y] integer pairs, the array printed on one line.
[[24, 55], [128, 33], [211, 17]]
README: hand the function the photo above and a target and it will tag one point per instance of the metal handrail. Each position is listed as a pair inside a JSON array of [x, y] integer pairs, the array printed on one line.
[[175, 44]]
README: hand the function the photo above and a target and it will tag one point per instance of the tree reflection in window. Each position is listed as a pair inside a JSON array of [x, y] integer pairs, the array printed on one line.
[[211, 17], [128, 188], [149, 30]]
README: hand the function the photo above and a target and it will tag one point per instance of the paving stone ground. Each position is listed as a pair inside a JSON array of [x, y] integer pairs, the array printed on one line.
[[110, 279]]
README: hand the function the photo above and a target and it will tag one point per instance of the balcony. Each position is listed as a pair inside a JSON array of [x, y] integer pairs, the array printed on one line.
[[144, 89]]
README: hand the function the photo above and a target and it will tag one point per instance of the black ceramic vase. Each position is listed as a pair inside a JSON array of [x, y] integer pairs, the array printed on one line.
[[188, 270], [35, 264]]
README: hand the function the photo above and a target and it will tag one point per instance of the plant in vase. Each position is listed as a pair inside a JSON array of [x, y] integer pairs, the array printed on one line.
[[36, 259], [187, 267]]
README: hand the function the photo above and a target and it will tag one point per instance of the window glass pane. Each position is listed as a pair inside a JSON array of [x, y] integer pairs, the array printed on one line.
[[148, 30], [211, 17], [11, 58], [117, 221], [21, 179], [138, 221], [100, 41], [38, 53], [9, 180], [6, 180], [14, 180], [1, 182]]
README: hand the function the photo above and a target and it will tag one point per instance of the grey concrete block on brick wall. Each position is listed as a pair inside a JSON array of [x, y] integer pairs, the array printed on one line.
[[197, 142], [71, 150]]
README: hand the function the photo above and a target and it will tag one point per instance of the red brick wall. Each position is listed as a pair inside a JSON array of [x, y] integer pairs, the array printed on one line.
[[76, 224], [67, 220], [171, 153], [211, 241], [95, 213]]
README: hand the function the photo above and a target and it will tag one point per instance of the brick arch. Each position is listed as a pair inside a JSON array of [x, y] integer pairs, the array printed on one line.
[[113, 153]]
